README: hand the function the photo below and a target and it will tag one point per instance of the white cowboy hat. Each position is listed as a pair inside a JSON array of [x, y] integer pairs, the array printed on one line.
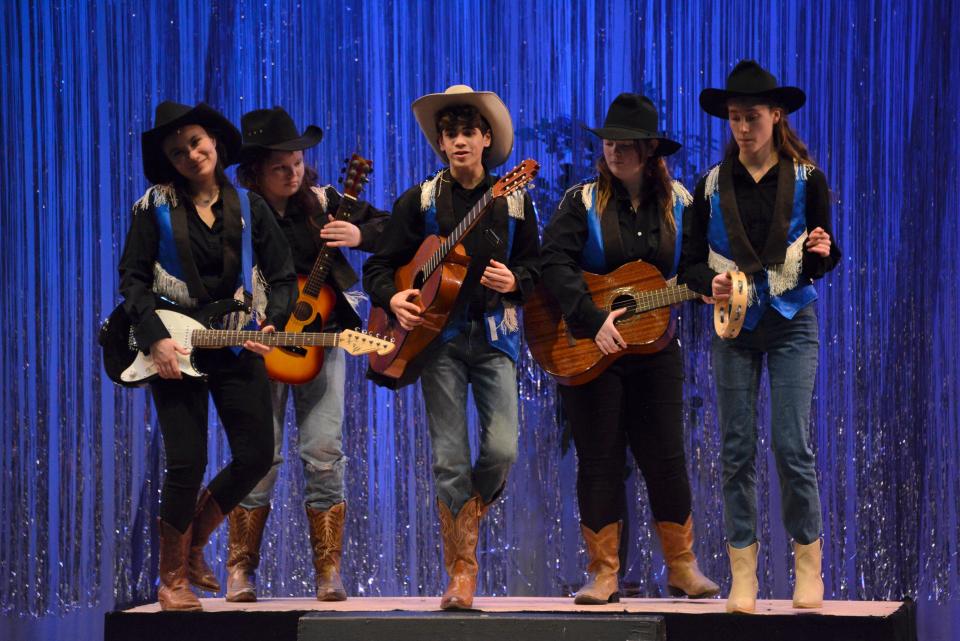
[[487, 103]]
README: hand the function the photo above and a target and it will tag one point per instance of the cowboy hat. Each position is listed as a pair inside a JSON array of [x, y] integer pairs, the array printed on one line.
[[749, 80], [633, 117], [274, 130], [487, 103]]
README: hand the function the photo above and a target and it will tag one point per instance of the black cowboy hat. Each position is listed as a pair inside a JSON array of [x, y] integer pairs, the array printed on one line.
[[171, 116], [633, 117], [273, 129], [749, 80]]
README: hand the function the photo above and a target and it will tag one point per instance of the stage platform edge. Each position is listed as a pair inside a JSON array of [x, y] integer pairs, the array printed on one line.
[[513, 619]]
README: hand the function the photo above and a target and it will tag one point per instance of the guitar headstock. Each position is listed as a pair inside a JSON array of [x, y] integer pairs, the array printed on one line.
[[357, 342], [516, 178], [355, 171]]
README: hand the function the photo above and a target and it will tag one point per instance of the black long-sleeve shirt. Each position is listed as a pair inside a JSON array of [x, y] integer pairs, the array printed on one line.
[[756, 201], [272, 256], [565, 237], [406, 231]]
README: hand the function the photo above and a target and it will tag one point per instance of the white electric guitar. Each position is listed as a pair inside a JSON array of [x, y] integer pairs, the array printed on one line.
[[127, 365]]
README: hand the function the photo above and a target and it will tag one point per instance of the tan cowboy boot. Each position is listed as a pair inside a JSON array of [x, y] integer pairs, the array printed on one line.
[[174, 592], [326, 540], [206, 518], [808, 591], [245, 531], [460, 535], [683, 574], [743, 567], [603, 548]]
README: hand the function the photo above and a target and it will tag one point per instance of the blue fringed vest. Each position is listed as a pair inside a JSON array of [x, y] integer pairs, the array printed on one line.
[[774, 286]]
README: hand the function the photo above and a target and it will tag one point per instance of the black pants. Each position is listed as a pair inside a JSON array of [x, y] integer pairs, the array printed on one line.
[[637, 402], [241, 394]]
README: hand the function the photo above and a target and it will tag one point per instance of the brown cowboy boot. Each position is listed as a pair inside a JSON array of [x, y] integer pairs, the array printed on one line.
[[174, 592], [683, 574], [603, 548], [460, 535], [245, 531], [326, 539], [206, 518]]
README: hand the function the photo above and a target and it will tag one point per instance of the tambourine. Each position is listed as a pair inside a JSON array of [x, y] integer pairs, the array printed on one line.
[[728, 314]]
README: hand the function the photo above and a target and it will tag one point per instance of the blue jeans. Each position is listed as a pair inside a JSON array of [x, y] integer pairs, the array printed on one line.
[[318, 407], [791, 348], [468, 359]]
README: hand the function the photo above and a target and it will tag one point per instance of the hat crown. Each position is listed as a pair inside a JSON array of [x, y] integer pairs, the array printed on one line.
[[268, 126], [168, 111], [632, 111], [749, 77]]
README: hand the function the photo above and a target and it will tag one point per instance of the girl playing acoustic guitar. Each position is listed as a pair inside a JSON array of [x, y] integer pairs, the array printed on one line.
[[631, 211]]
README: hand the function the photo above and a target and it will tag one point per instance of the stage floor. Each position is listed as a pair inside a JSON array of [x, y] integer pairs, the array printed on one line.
[[513, 619], [542, 605]]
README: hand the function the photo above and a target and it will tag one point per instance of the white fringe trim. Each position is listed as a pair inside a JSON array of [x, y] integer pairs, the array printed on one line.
[[713, 180], [801, 170], [587, 194], [321, 194], [785, 276], [721, 264], [680, 193], [428, 191], [354, 298], [515, 204], [510, 323], [172, 288], [157, 195]]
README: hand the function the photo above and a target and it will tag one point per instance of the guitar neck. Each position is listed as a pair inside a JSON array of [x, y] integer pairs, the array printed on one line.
[[211, 338], [321, 266], [462, 229], [665, 297]]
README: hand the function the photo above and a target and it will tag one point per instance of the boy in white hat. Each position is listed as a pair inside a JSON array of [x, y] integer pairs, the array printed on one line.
[[471, 132]]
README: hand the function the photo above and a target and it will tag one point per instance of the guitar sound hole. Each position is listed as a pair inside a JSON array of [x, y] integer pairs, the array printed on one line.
[[418, 280], [302, 312], [624, 301]]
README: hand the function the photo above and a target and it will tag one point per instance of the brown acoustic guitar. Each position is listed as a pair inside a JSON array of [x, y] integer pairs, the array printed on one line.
[[647, 326], [437, 270], [316, 299]]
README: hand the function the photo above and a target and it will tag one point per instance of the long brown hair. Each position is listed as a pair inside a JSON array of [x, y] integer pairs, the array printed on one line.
[[657, 185], [785, 141], [248, 175]]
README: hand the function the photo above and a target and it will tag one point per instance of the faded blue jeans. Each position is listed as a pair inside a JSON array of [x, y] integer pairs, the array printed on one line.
[[791, 349], [318, 407], [468, 359]]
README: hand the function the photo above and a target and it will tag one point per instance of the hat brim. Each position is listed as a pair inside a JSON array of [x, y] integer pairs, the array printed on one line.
[[665, 147], [311, 137], [714, 101], [490, 107], [158, 169]]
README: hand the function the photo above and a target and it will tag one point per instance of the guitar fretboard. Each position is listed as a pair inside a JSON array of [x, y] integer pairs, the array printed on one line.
[[458, 233], [321, 266], [228, 338], [646, 301]]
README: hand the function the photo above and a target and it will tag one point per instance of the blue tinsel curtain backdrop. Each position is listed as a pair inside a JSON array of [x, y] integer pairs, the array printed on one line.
[[80, 459]]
